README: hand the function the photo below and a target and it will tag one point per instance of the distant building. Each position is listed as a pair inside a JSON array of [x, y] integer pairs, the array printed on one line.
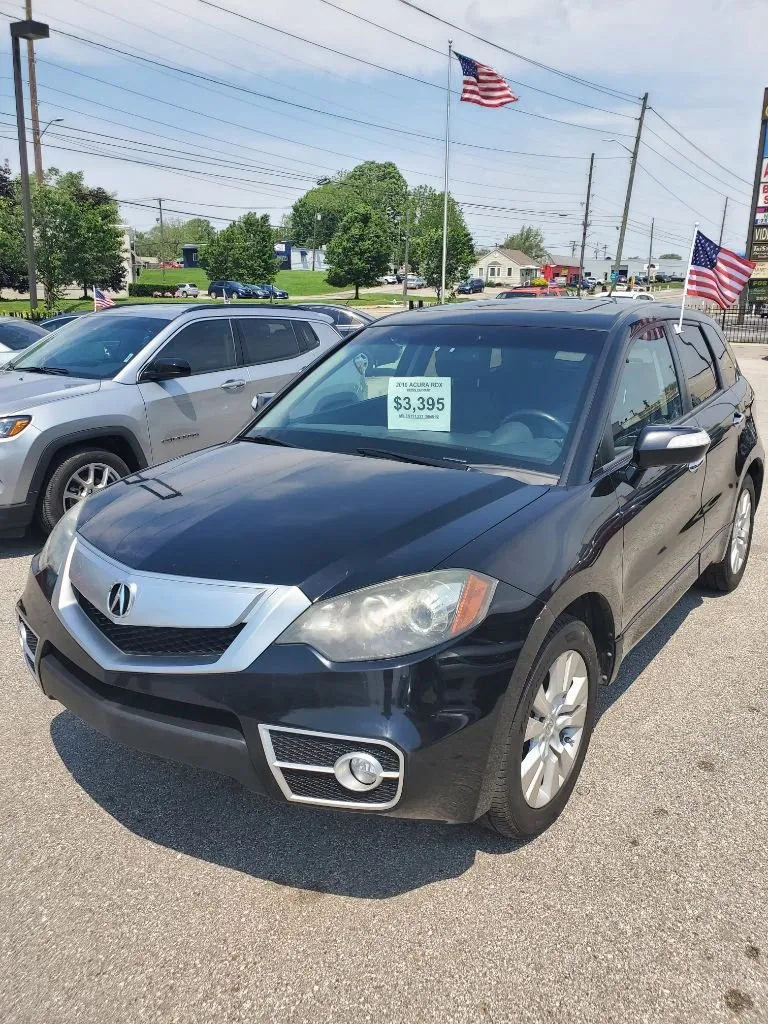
[[299, 257], [509, 267]]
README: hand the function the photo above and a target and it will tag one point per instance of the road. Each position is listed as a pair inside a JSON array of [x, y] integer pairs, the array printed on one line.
[[134, 890]]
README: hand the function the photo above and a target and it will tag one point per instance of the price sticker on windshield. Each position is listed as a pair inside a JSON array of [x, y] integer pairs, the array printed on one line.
[[419, 403]]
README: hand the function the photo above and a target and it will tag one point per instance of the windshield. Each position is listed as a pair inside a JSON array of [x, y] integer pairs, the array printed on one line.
[[505, 396], [96, 347]]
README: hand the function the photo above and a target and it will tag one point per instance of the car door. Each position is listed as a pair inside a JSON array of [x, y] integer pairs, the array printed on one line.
[[209, 406], [271, 350], [717, 399], [661, 507]]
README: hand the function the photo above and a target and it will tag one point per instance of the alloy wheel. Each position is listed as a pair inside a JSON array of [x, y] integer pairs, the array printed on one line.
[[742, 523], [555, 728], [94, 476]]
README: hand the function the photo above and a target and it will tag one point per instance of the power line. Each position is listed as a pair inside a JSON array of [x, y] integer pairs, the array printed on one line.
[[669, 190], [440, 53], [684, 171], [699, 149], [520, 56]]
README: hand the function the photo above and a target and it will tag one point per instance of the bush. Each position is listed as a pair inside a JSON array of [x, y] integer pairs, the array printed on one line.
[[146, 291], [539, 282]]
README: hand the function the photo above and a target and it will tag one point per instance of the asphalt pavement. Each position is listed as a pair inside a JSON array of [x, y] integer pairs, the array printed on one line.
[[133, 889]]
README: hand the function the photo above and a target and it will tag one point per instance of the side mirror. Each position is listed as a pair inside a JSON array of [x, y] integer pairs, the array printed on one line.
[[166, 369], [259, 401], [670, 446]]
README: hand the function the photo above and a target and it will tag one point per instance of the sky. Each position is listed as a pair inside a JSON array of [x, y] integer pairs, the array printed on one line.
[[274, 108]]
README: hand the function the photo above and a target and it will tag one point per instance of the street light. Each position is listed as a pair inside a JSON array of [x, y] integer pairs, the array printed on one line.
[[54, 120], [30, 30]]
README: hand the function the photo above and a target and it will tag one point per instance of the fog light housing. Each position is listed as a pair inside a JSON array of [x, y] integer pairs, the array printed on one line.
[[358, 771]]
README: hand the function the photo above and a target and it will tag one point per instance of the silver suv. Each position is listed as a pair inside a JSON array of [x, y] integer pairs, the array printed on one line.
[[123, 389]]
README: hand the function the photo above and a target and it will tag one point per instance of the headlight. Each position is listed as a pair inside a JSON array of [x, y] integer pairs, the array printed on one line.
[[395, 618], [10, 426], [60, 540]]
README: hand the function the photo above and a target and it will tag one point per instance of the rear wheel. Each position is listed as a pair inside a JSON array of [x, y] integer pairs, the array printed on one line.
[[550, 733], [74, 476], [726, 575]]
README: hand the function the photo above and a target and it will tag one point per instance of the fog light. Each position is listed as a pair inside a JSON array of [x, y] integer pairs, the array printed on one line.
[[358, 771]]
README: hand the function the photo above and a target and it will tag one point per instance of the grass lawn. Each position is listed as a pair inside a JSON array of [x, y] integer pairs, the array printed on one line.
[[295, 282]]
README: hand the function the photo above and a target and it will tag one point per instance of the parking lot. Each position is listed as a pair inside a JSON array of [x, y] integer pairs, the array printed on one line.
[[133, 889]]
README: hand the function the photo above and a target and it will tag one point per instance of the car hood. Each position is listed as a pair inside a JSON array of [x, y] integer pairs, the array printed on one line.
[[21, 391], [326, 522]]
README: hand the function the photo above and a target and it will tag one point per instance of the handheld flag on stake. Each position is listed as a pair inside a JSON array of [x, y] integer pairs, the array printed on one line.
[[100, 300], [714, 273]]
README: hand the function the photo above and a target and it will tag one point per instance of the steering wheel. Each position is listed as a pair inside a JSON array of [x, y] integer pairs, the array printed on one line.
[[522, 413]]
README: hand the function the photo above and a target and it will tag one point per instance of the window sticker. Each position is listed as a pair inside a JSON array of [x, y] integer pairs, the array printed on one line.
[[419, 403]]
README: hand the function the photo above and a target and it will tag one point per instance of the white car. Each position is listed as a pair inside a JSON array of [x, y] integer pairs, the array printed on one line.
[[388, 279], [187, 291], [415, 281], [634, 296]]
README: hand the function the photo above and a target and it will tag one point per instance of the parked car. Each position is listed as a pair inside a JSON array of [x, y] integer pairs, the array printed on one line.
[[388, 279], [118, 391], [533, 293], [187, 291], [53, 323], [633, 296], [272, 292], [416, 281], [229, 290], [345, 320], [16, 335], [471, 287], [405, 600]]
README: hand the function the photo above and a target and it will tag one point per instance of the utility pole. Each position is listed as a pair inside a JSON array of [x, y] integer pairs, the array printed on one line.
[[597, 251], [586, 223], [722, 223], [29, 30], [573, 248], [650, 253], [162, 241], [32, 78], [407, 245], [605, 252], [630, 183]]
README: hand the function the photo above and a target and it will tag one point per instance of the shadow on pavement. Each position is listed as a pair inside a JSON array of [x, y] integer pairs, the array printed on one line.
[[29, 544], [214, 818]]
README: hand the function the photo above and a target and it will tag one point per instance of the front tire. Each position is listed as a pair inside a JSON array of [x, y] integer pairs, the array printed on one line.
[[74, 476], [550, 733], [725, 576]]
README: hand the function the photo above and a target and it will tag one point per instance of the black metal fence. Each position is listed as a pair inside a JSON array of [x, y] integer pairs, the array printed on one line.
[[748, 324]]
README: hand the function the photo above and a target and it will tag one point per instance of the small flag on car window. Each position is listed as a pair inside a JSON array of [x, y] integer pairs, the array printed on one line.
[[100, 300]]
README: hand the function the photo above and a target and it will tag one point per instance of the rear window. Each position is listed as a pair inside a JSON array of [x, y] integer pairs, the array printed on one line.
[[18, 335], [728, 367], [266, 340], [698, 365], [306, 335]]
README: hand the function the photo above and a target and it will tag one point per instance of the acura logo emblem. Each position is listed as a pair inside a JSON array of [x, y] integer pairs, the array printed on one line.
[[120, 599]]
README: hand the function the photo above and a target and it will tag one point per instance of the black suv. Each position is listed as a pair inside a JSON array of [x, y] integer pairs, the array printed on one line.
[[471, 287], [403, 597]]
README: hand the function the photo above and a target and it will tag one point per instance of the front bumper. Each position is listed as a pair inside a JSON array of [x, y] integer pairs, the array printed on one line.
[[433, 723], [15, 519]]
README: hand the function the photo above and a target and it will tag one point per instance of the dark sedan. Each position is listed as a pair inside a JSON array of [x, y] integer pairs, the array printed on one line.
[[53, 323], [404, 596], [271, 291], [345, 320], [16, 335]]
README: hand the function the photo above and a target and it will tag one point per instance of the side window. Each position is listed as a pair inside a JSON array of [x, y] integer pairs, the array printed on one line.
[[266, 340], [649, 393], [207, 346], [307, 337], [728, 368], [698, 366]]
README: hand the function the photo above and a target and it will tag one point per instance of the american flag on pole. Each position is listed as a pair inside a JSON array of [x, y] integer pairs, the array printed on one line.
[[483, 85], [716, 273], [100, 300]]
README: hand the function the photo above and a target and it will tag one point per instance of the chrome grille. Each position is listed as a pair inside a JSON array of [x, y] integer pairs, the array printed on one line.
[[305, 748], [160, 641], [327, 788]]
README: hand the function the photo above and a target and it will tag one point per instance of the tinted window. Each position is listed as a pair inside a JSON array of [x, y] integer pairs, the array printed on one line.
[[649, 392], [728, 368], [475, 393], [206, 345], [96, 346], [18, 335], [698, 366], [306, 335], [265, 340]]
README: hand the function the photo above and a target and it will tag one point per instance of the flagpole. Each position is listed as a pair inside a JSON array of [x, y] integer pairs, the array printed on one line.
[[679, 326], [445, 184]]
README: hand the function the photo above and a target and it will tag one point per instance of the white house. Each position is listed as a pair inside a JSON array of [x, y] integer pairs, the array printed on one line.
[[509, 267]]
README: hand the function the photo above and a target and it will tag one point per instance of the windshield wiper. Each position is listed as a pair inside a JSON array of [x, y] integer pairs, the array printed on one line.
[[57, 371], [265, 439], [417, 460]]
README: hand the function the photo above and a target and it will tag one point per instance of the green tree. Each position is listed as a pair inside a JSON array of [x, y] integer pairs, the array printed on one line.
[[13, 252], [359, 251], [242, 251], [95, 250], [670, 256], [176, 233], [428, 247], [529, 240]]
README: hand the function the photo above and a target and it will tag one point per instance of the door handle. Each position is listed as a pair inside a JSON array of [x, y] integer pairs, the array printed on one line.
[[232, 385], [738, 419]]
